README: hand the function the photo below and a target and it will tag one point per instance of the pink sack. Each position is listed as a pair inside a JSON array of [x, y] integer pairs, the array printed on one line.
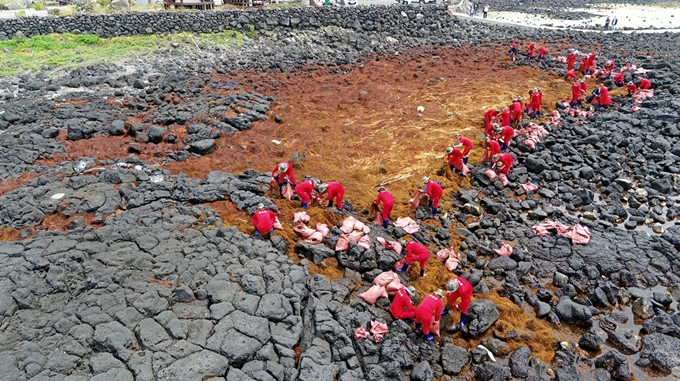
[[580, 235], [378, 219], [361, 333], [304, 230], [434, 328], [347, 225], [529, 187], [452, 263], [504, 179], [365, 242], [490, 173], [415, 201], [342, 244], [465, 170], [355, 236], [358, 225], [287, 192], [372, 294], [394, 286], [323, 229], [277, 225], [378, 330], [301, 217], [444, 254], [505, 250], [385, 278], [315, 238]]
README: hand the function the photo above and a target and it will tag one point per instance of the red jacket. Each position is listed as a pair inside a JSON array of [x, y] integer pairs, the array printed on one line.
[[334, 189], [605, 99], [263, 220], [516, 107], [434, 190], [401, 304], [570, 75], [505, 117], [467, 145], [576, 92], [585, 64], [464, 292], [304, 190], [584, 87], [488, 116], [542, 51], [494, 148], [506, 162], [609, 67], [618, 78], [416, 251], [631, 88], [455, 158], [645, 84], [531, 50], [489, 131], [591, 59], [289, 172], [534, 103], [507, 134], [386, 198], [571, 59], [540, 100], [431, 307]]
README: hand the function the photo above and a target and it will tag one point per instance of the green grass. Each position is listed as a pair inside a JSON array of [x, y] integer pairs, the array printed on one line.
[[70, 50]]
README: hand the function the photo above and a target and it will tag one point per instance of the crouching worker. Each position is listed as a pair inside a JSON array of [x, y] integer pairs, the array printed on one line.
[[264, 220], [330, 192], [282, 171], [415, 252], [304, 191], [503, 162], [458, 288], [428, 312], [402, 307]]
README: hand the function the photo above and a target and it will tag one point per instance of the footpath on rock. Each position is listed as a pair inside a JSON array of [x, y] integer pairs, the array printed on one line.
[[126, 194]]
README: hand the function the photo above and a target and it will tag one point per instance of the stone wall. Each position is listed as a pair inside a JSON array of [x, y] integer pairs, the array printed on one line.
[[378, 18]]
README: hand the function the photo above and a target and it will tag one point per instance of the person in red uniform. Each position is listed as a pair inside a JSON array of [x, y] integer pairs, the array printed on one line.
[[513, 50], [332, 191], [458, 288], [645, 84], [608, 68], [506, 134], [584, 85], [387, 200], [516, 111], [434, 191], [534, 103], [428, 312], [571, 59], [539, 101], [542, 52], [503, 162], [591, 62], [619, 80], [454, 158], [281, 171], [467, 145], [585, 65], [402, 307], [604, 100], [263, 220], [631, 88], [505, 116], [492, 149], [304, 191], [576, 94], [490, 130], [415, 252], [532, 48], [490, 115], [570, 76]]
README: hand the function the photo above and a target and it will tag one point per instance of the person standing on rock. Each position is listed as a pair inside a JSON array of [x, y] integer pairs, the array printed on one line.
[[585, 65], [571, 59], [415, 252], [467, 145], [402, 307], [434, 192], [532, 48], [454, 158], [539, 101], [516, 111], [330, 192], [428, 312], [506, 134], [492, 149], [614, 22], [606, 24], [387, 200], [584, 86], [576, 94], [503, 162], [458, 288], [304, 191], [264, 220], [282, 171]]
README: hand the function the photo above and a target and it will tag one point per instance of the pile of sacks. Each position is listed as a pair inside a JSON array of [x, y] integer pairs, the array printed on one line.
[[385, 284], [409, 225], [355, 231], [450, 258], [310, 235], [533, 133], [639, 97], [579, 234], [491, 174], [378, 330]]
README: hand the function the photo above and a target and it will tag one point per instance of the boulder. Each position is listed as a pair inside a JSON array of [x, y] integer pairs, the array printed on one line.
[[482, 315]]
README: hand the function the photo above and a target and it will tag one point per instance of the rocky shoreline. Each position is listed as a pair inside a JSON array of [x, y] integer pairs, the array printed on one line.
[[144, 283]]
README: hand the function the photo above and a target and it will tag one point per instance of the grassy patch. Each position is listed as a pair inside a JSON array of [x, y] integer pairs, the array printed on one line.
[[70, 50]]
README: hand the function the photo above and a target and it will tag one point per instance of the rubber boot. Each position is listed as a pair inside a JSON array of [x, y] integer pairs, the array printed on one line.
[[419, 326], [304, 205], [427, 338], [408, 321], [403, 268], [271, 232], [429, 203], [445, 312], [465, 159], [463, 320], [386, 223], [330, 203], [422, 272], [434, 211], [257, 233]]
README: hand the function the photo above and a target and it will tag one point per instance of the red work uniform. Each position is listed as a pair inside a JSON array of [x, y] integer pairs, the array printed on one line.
[[591, 60], [493, 149], [304, 190], [605, 100], [263, 220], [434, 190], [619, 79], [571, 60], [537, 106], [505, 117], [576, 93], [281, 176], [631, 89], [428, 311], [335, 191], [645, 84], [467, 145], [506, 161], [489, 115], [416, 252], [402, 307], [532, 47], [506, 135], [585, 64], [455, 159], [489, 132], [584, 87], [570, 75], [464, 292], [609, 66], [388, 203], [516, 111], [534, 103], [542, 52]]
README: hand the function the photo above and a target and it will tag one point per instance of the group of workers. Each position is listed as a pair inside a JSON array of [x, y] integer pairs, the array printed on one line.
[[531, 53], [431, 307], [600, 96]]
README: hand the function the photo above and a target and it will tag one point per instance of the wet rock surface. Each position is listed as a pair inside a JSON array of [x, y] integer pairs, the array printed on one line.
[[147, 287]]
